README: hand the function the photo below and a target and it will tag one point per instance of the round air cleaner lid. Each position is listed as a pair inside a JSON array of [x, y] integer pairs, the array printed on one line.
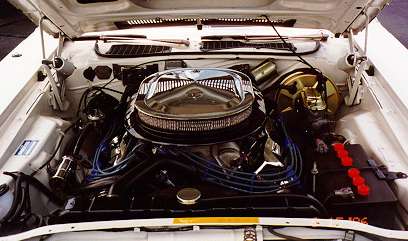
[[195, 93], [201, 101]]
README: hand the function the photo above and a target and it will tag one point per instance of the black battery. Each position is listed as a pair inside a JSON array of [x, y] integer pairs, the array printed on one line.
[[378, 208]]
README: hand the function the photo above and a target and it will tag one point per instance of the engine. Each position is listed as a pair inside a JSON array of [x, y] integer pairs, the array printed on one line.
[[214, 120], [207, 142], [187, 139]]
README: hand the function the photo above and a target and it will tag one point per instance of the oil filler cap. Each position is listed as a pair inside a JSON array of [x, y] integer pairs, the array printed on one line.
[[188, 196]]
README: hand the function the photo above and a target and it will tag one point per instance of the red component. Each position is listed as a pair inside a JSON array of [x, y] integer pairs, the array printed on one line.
[[358, 181], [353, 172], [346, 161], [338, 147], [363, 190], [342, 153]]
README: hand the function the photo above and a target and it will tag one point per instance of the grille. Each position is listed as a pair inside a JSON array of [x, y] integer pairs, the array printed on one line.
[[131, 50], [195, 100], [217, 45]]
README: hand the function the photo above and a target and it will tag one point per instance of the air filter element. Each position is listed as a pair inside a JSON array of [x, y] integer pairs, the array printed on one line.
[[192, 101]]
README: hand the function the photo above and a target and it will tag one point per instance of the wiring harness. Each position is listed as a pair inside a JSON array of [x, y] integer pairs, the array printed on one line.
[[267, 181]]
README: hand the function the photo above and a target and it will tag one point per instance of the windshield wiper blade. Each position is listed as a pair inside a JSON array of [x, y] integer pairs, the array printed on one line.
[[108, 36], [131, 37]]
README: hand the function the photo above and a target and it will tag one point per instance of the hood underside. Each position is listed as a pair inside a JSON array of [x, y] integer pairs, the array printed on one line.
[[76, 17]]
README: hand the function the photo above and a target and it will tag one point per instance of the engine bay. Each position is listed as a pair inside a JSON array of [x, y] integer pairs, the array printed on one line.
[[185, 141]]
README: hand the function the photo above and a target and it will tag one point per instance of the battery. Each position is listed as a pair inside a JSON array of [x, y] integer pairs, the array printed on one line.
[[378, 208]]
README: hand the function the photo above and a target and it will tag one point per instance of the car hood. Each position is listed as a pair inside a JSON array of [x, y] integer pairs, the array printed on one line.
[[76, 17]]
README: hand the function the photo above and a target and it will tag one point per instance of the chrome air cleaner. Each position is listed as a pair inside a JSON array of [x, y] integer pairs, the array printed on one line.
[[195, 99], [192, 101]]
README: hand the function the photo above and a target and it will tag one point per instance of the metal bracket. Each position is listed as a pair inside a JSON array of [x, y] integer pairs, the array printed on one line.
[[389, 176], [355, 79], [360, 62], [354, 85], [57, 99], [385, 175]]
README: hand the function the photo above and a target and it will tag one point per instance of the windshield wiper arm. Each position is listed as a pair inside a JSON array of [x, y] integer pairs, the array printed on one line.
[[131, 37], [108, 36]]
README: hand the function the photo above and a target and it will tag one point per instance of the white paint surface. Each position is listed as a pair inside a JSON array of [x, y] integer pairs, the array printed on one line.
[[16, 72], [389, 56]]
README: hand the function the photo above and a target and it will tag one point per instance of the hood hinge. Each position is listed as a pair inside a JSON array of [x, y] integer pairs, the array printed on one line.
[[62, 68], [357, 62]]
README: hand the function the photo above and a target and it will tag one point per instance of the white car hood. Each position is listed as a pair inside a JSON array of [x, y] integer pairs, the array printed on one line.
[[76, 17]]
